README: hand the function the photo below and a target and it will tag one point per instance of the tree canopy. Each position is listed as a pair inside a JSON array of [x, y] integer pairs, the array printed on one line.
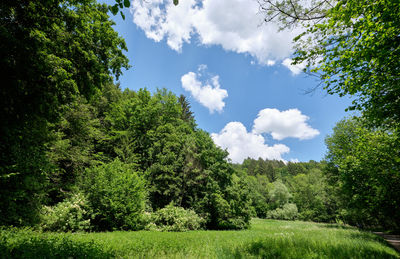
[[51, 52], [353, 47], [365, 165]]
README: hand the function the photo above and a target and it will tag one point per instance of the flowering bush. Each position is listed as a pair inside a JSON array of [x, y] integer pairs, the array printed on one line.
[[288, 211], [72, 214], [173, 218]]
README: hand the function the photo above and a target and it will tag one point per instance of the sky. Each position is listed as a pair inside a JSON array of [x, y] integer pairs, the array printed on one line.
[[235, 71]]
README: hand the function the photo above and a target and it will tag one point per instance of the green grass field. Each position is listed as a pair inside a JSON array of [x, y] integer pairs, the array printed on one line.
[[265, 239]]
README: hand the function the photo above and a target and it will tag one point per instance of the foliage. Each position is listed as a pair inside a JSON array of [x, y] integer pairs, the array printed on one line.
[[176, 219], [181, 163], [311, 195], [50, 52], [72, 214], [232, 210], [366, 168], [304, 184], [259, 187], [288, 211], [353, 47], [279, 194], [72, 148], [117, 195]]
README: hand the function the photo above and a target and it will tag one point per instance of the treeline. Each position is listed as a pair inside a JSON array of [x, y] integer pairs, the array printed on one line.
[[126, 153], [77, 153], [289, 190], [358, 183]]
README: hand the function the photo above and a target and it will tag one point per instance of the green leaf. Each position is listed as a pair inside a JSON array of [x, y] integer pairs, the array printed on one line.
[[176, 2], [122, 15], [127, 3], [114, 9]]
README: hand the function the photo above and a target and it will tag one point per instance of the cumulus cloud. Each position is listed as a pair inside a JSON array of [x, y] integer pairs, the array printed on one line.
[[295, 69], [236, 25], [284, 124], [242, 144], [209, 94]]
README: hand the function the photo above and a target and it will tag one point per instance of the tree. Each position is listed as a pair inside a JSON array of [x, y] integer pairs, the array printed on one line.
[[311, 196], [181, 163], [117, 194], [367, 163], [290, 13], [50, 53], [353, 47]]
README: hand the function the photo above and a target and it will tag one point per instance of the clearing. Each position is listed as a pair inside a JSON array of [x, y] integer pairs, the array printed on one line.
[[265, 239]]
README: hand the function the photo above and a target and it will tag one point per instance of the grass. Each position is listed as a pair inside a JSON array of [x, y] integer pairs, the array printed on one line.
[[265, 239]]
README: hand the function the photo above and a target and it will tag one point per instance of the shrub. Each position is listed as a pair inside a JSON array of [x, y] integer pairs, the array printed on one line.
[[173, 218], [288, 211], [73, 214], [117, 195]]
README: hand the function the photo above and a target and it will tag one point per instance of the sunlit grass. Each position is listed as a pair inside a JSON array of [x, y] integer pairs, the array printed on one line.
[[265, 239]]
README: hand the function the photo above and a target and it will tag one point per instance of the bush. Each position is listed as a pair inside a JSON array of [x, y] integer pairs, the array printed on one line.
[[173, 218], [73, 214], [288, 211], [117, 195]]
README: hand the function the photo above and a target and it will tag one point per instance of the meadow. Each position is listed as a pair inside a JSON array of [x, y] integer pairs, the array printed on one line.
[[265, 239]]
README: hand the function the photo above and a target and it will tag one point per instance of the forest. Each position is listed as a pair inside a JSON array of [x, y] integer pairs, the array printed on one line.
[[82, 153]]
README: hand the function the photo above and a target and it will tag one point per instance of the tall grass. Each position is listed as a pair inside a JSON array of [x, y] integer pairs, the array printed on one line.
[[265, 239]]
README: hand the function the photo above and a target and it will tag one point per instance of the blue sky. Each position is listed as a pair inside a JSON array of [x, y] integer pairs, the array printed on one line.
[[232, 69]]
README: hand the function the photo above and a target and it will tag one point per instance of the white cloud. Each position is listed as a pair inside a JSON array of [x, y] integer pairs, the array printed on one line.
[[284, 124], [208, 94], [236, 25], [295, 69], [242, 144], [270, 62]]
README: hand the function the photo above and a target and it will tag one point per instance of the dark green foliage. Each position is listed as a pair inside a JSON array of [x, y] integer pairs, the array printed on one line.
[[187, 114], [23, 167], [117, 195], [181, 163], [270, 168], [50, 52], [73, 146]]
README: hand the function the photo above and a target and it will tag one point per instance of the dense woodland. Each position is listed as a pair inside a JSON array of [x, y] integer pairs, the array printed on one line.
[[79, 153]]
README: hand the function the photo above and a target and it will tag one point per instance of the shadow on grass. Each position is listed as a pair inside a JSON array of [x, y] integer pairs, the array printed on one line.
[[361, 235], [284, 248], [28, 244], [335, 226]]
